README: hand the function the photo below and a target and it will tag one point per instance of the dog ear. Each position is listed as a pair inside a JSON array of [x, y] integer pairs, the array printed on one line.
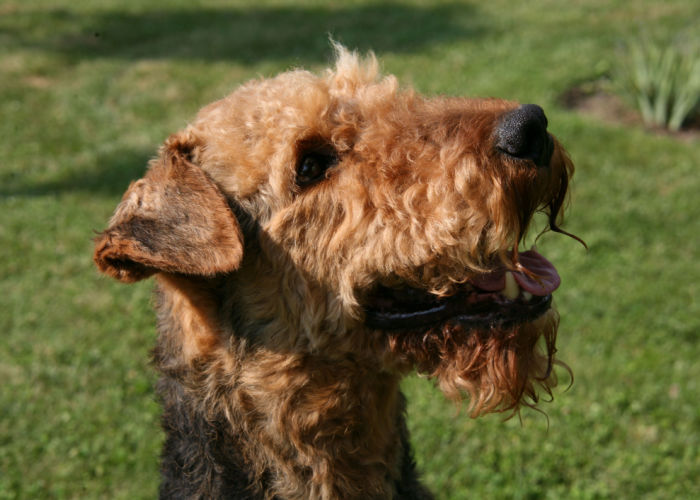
[[173, 220]]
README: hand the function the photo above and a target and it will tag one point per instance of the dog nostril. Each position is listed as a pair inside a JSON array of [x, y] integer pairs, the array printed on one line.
[[522, 133]]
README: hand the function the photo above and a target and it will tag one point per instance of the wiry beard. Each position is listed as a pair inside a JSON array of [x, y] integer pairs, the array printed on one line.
[[500, 369]]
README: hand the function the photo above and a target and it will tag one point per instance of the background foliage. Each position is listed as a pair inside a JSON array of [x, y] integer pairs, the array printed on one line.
[[89, 89], [662, 78]]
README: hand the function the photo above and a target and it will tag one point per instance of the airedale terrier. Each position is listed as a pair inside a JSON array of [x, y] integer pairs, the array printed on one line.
[[315, 238]]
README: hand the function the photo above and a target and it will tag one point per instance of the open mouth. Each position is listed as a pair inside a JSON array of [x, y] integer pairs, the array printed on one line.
[[496, 299]]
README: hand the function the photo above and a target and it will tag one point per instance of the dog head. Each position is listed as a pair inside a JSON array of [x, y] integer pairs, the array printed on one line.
[[348, 216]]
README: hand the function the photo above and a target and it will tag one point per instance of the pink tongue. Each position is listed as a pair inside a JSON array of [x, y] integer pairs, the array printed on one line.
[[544, 281]]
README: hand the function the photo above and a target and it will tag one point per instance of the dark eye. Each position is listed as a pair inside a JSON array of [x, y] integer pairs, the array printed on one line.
[[312, 167]]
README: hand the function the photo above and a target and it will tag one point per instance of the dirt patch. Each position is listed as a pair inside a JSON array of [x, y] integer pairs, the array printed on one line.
[[593, 99]]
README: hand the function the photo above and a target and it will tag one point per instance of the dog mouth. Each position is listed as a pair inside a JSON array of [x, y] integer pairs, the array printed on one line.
[[497, 299]]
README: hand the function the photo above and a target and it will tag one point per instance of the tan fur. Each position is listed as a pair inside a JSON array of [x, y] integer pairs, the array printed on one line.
[[263, 310]]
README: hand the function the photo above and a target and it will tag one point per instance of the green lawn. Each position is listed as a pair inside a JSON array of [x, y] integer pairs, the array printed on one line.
[[89, 89]]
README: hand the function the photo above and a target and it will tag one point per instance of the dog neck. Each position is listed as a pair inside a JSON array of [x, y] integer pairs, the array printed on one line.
[[295, 424]]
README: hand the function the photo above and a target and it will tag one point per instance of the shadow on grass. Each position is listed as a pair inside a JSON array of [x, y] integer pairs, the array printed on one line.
[[109, 176], [246, 35]]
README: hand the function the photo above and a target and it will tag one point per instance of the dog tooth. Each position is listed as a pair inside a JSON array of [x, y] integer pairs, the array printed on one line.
[[527, 295], [512, 290]]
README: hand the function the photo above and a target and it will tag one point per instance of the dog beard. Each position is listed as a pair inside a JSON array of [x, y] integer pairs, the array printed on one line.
[[499, 369]]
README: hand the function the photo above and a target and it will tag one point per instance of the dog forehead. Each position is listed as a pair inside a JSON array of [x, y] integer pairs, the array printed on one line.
[[254, 134], [265, 109], [294, 101], [248, 136]]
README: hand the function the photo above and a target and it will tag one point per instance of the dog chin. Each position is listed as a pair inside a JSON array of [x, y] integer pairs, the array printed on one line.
[[499, 368]]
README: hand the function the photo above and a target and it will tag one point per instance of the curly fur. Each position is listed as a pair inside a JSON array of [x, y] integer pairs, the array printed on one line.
[[272, 384]]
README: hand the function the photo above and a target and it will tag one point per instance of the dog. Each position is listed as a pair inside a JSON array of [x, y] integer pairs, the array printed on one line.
[[314, 238]]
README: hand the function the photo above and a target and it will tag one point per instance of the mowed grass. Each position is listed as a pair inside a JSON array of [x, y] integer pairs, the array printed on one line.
[[89, 89]]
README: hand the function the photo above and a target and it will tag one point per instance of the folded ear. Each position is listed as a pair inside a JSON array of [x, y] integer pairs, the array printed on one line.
[[173, 220]]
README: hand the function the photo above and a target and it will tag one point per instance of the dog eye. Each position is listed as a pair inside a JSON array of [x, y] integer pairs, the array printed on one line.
[[312, 168]]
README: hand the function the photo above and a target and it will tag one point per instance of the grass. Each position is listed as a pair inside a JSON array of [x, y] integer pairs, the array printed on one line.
[[88, 91]]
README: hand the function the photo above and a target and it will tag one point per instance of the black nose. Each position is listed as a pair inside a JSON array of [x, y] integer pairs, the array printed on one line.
[[522, 133]]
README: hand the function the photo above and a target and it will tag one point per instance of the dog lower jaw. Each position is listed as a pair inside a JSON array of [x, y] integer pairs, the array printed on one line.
[[469, 307], [500, 368]]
